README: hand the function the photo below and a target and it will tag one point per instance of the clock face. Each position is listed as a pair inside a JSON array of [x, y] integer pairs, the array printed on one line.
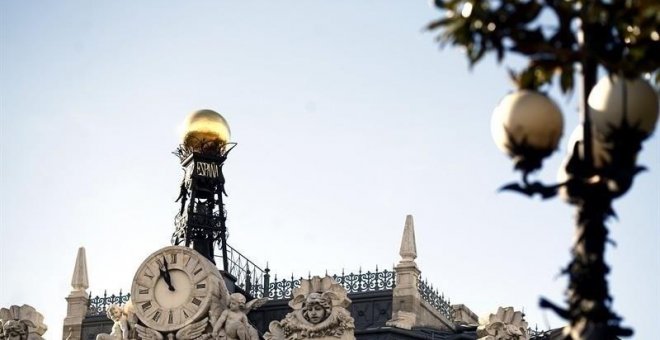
[[172, 288]]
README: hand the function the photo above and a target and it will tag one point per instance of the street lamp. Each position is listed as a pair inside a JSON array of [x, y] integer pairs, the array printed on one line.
[[560, 38]]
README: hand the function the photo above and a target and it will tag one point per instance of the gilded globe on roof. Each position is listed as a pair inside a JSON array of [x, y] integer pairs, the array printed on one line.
[[205, 126]]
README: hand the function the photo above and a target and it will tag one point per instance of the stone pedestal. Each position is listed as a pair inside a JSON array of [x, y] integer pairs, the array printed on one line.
[[464, 315], [347, 335], [77, 303], [406, 297]]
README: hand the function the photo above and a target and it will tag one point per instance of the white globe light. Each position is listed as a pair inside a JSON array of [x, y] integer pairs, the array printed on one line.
[[613, 99], [526, 118]]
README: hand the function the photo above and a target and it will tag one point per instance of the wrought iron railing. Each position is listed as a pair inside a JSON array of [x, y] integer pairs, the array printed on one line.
[[436, 299], [249, 276], [99, 304], [366, 282], [353, 283], [259, 285], [538, 334]]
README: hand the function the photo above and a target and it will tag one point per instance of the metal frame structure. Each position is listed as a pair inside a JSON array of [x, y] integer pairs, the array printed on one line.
[[201, 221]]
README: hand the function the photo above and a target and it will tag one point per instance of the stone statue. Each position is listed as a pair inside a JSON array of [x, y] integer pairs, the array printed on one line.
[[131, 319], [21, 323], [120, 329], [506, 324], [319, 312], [219, 302], [233, 323]]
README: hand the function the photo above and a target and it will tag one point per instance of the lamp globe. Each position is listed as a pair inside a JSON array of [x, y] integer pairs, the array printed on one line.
[[527, 126], [205, 126], [614, 101]]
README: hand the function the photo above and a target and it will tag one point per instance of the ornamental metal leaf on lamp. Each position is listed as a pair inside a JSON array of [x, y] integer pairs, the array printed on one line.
[[558, 38], [201, 221]]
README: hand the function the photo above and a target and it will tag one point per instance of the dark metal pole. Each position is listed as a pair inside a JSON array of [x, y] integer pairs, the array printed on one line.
[[588, 294], [266, 281], [248, 283], [223, 234]]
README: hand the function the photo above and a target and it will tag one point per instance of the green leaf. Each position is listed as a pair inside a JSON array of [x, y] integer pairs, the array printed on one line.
[[439, 23]]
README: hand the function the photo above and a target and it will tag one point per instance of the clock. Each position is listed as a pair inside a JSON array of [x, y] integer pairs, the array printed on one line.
[[174, 287]]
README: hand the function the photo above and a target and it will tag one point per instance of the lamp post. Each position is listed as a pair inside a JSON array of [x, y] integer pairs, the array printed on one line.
[[560, 38]]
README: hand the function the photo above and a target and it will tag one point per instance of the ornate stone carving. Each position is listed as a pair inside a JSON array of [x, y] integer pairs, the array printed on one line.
[[194, 331], [121, 329], [233, 323], [506, 324], [319, 312], [21, 323]]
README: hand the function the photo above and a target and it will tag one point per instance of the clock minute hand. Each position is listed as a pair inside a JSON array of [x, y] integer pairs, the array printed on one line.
[[165, 273]]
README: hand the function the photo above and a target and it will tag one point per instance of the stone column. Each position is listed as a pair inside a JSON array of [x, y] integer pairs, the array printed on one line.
[[406, 298], [78, 299]]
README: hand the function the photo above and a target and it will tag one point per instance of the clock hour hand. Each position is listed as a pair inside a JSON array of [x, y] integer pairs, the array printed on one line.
[[165, 273]]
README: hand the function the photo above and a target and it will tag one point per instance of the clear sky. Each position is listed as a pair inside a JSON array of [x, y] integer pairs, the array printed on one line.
[[347, 118]]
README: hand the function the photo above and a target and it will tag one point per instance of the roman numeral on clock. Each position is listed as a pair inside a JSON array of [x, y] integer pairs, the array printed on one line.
[[170, 318], [201, 285], [144, 291], [146, 306], [173, 258], [156, 316], [197, 301], [197, 271]]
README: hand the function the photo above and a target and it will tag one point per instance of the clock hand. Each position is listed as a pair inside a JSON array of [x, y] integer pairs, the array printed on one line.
[[165, 273]]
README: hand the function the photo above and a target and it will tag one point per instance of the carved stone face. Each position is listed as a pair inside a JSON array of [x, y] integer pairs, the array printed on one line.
[[315, 313], [15, 330], [115, 313], [236, 302], [316, 308]]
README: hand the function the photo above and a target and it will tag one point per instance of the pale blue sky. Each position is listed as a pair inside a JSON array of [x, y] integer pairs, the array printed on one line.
[[347, 118]]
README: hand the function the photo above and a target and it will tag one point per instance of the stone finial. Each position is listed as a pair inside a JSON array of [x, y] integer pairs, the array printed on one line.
[[408, 249], [79, 280], [77, 300]]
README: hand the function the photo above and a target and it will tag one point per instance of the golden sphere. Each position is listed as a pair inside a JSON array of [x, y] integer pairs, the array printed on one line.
[[205, 126]]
